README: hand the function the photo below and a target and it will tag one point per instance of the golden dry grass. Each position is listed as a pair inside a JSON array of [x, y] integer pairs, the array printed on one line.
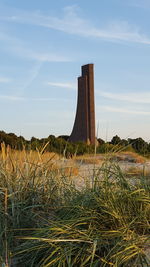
[[89, 159], [127, 156], [138, 158], [137, 171], [20, 161], [12, 158]]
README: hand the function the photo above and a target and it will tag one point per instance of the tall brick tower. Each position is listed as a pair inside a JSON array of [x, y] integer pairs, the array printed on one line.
[[84, 125]]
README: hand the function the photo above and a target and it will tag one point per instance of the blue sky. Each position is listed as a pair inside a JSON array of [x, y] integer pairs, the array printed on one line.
[[42, 47]]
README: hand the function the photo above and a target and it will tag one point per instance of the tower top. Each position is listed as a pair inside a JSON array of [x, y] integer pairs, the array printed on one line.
[[88, 69]]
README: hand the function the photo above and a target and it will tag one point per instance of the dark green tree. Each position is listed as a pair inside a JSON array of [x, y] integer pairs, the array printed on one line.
[[116, 140]]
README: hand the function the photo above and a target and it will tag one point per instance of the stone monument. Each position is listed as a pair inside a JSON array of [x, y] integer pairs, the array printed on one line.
[[84, 125]]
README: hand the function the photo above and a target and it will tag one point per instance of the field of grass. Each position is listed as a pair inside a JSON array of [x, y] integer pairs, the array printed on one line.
[[46, 221]]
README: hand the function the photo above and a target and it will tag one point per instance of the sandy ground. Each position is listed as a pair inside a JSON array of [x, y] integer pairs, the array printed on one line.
[[84, 169]]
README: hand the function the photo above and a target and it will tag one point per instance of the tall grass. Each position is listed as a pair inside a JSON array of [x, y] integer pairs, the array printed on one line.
[[46, 221], [30, 185]]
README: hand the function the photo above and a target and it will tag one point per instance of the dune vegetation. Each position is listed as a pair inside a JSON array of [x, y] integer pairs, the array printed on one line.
[[45, 220]]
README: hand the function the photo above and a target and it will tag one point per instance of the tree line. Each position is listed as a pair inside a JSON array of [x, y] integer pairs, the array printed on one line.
[[61, 145]]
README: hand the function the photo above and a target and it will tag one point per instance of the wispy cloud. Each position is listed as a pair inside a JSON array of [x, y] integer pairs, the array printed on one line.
[[21, 49], [33, 74], [11, 98], [143, 98], [37, 123], [40, 99], [62, 85], [125, 110], [44, 57], [5, 80], [52, 99], [71, 23], [139, 3], [27, 53]]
